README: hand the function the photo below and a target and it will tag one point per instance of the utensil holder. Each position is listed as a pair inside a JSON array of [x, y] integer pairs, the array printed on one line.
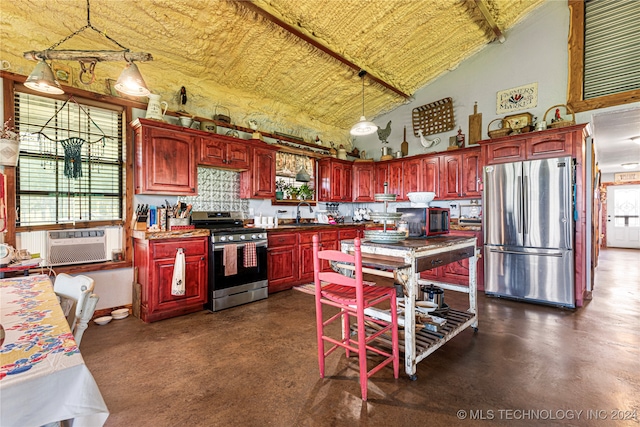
[[177, 222]]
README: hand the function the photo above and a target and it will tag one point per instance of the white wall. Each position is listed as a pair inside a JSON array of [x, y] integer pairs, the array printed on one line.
[[535, 50]]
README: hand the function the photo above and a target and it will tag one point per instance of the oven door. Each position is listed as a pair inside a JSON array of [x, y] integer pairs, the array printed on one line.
[[217, 278]]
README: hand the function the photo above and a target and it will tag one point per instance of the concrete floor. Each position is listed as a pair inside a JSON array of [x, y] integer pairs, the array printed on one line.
[[256, 365]]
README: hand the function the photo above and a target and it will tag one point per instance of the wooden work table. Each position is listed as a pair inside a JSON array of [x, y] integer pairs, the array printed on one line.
[[403, 262]]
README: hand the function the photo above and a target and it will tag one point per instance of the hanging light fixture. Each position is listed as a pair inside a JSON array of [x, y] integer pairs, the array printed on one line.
[[42, 79], [303, 175], [363, 127], [130, 81]]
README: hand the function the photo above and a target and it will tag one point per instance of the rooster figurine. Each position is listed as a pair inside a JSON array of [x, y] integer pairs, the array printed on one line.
[[383, 134], [425, 142]]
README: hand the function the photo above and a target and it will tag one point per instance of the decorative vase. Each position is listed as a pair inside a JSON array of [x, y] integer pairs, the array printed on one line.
[[9, 152], [279, 195]]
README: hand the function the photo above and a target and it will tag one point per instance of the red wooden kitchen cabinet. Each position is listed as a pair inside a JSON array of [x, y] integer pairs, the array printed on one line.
[[412, 172], [471, 173], [165, 159], [282, 261], [155, 261], [460, 174], [450, 185], [334, 180], [224, 152], [396, 179], [381, 175], [328, 241], [431, 175], [363, 179], [259, 182]]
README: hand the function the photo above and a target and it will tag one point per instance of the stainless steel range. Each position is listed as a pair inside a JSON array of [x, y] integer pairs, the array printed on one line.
[[249, 283]]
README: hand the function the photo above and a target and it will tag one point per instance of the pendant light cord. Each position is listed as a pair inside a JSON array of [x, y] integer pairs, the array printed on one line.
[[361, 74], [75, 33]]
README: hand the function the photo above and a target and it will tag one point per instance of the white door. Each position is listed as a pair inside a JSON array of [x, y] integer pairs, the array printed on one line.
[[623, 216]]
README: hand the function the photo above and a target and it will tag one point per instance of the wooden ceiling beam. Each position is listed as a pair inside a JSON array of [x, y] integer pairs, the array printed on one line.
[[315, 43], [492, 24]]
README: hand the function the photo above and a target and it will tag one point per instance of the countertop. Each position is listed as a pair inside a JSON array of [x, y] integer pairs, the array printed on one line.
[[177, 234], [420, 243]]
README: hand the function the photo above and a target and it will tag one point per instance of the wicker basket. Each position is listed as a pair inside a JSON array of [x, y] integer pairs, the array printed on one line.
[[503, 131], [560, 123]]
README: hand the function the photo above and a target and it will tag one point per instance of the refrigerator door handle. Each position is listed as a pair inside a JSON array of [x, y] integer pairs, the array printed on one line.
[[555, 254], [519, 203], [525, 203]]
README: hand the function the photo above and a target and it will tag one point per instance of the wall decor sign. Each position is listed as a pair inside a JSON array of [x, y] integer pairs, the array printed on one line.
[[517, 98], [626, 176]]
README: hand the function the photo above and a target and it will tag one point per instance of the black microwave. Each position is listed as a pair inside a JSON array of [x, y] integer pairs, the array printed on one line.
[[426, 222]]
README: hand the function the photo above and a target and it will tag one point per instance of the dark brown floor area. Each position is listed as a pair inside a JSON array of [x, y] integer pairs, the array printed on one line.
[[256, 365]]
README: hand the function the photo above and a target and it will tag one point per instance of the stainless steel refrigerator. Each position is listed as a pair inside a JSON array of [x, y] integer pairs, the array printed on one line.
[[528, 231]]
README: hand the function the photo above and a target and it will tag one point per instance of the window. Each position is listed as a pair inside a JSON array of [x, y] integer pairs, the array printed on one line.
[[604, 52], [90, 192]]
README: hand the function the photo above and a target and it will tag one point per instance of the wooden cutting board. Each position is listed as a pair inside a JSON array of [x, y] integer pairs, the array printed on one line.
[[475, 126]]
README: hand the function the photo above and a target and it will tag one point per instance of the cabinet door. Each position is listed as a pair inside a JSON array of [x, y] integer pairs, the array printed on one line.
[[282, 263], [347, 194], [195, 283], [411, 176], [431, 175], [450, 185], [471, 170], [324, 180], [363, 178], [504, 152], [259, 181], [381, 173], [238, 156], [549, 145], [213, 152], [165, 162], [395, 180]]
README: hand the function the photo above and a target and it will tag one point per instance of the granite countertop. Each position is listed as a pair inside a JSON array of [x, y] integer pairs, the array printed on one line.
[[311, 226], [420, 243], [176, 234]]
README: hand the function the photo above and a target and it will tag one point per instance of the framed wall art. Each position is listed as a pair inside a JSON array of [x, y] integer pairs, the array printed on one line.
[[517, 98]]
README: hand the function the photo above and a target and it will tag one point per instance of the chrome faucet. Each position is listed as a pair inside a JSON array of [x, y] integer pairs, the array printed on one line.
[[298, 217]]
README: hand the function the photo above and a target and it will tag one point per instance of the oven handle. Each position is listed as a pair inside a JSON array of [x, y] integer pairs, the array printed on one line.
[[219, 247]]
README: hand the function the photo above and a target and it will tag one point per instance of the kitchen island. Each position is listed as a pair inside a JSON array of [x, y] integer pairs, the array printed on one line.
[[404, 261]]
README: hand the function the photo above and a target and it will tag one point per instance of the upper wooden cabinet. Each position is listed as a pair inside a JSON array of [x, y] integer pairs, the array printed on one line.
[[412, 171], [460, 174], [259, 182], [165, 159], [224, 152], [334, 180], [363, 179], [381, 175], [529, 146], [431, 175]]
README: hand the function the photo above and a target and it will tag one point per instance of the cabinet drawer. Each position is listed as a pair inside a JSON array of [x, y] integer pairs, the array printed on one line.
[[325, 236], [275, 240], [437, 260], [191, 247], [348, 234]]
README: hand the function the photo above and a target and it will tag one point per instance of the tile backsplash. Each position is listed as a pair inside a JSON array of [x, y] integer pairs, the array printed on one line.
[[218, 190]]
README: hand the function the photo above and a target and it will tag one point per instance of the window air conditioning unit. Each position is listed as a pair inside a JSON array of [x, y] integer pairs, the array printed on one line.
[[76, 246]]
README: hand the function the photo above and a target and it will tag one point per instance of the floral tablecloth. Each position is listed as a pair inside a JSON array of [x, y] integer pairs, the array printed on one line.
[[43, 377]]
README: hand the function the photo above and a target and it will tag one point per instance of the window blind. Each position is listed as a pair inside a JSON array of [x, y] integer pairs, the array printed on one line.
[[45, 196], [611, 47]]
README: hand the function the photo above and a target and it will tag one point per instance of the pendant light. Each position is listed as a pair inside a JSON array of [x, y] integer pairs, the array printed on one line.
[[42, 79], [130, 81], [363, 127], [303, 175]]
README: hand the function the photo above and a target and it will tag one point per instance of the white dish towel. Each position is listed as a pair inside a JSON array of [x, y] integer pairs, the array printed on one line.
[[177, 281]]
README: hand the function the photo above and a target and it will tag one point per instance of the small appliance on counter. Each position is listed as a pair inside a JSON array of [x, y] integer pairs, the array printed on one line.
[[426, 222], [470, 214]]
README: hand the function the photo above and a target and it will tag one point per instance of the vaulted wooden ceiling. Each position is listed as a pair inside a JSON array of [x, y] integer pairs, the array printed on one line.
[[291, 65]]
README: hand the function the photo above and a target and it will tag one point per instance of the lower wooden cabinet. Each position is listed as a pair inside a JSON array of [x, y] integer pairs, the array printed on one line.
[[290, 254], [155, 261], [458, 272]]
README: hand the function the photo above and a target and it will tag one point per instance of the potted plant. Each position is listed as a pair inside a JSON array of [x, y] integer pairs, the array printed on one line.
[[292, 192], [281, 187], [9, 145], [305, 192]]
